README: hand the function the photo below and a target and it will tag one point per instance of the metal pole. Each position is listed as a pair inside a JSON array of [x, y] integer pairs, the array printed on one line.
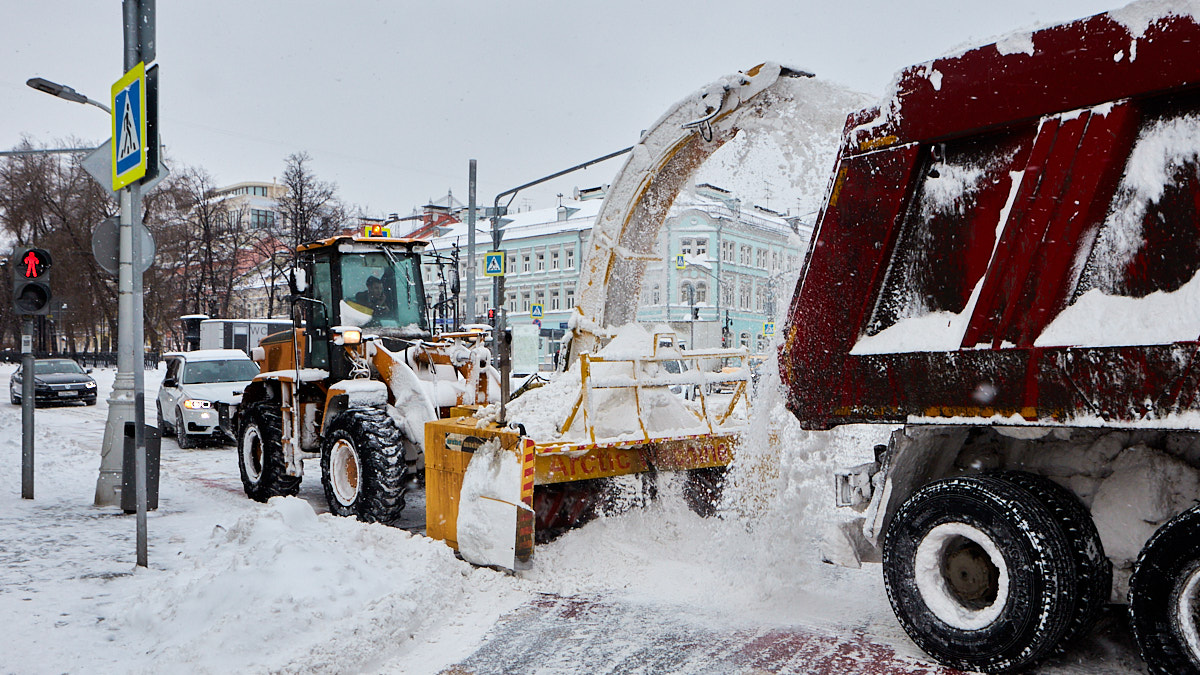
[[27, 405], [471, 183], [121, 401]]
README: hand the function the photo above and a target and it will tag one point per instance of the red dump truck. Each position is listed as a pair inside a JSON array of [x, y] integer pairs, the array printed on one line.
[[1006, 268]]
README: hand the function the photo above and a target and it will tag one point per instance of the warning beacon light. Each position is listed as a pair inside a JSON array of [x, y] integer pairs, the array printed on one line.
[[376, 230], [31, 281]]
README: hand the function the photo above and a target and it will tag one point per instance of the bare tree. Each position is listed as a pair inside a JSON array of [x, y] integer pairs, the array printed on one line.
[[310, 209]]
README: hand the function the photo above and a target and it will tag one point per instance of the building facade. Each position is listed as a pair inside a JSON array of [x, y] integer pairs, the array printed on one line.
[[720, 272]]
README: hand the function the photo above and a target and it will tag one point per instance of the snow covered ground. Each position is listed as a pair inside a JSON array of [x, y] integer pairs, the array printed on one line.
[[238, 586]]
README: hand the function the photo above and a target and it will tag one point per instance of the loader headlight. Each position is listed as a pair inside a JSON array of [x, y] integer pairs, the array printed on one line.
[[196, 404], [347, 335]]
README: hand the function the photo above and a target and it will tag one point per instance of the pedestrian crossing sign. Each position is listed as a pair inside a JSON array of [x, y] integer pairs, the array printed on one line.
[[493, 264], [768, 328], [536, 311], [129, 158], [680, 262]]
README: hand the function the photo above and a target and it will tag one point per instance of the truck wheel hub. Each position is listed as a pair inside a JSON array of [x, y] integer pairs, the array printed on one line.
[[961, 575], [252, 453], [344, 471]]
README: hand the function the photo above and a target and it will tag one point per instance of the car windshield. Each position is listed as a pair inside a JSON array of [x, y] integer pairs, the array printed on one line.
[[233, 370], [56, 366]]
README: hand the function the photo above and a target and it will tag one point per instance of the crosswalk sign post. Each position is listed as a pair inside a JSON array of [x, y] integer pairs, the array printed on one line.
[[129, 127], [680, 262], [535, 311], [493, 264], [768, 328]]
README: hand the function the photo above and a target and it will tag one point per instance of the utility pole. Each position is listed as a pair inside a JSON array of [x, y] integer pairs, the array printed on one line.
[[127, 402], [471, 182]]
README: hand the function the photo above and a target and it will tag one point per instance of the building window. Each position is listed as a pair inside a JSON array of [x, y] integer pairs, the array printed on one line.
[[541, 262], [554, 260], [744, 339], [727, 285], [744, 295], [260, 218], [512, 302], [760, 298], [685, 246], [685, 292], [727, 249], [760, 258], [570, 298], [554, 300], [512, 265], [656, 295], [525, 263], [762, 341], [744, 254], [570, 258], [701, 292], [702, 246], [525, 301]]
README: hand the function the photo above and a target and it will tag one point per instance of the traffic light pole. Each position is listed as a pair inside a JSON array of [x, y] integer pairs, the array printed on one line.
[[126, 404], [27, 403]]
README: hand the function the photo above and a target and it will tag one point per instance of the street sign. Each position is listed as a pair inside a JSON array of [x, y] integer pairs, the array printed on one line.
[[680, 262], [768, 328], [129, 127], [493, 264], [98, 164], [535, 310], [106, 246]]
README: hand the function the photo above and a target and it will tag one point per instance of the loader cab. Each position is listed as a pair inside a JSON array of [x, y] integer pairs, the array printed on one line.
[[375, 285]]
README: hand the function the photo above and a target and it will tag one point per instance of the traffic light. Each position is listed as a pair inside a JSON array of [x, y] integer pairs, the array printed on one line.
[[31, 281], [695, 313]]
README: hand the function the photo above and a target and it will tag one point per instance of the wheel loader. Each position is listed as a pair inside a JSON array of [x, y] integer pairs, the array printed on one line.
[[355, 380]]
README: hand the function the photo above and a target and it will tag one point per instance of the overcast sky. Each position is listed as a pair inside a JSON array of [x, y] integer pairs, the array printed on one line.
[[392, 98]]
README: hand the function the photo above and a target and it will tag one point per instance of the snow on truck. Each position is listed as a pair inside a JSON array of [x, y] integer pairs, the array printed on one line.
[[1008, 267]]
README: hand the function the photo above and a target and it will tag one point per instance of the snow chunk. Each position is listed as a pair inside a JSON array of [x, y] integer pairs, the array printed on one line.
[[488, 506], [1016, 43], [1146, 488]]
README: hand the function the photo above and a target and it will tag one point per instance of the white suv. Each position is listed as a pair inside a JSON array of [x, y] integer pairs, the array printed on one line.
[[197, 384]]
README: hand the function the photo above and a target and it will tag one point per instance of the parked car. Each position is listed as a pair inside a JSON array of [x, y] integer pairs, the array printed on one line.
[[55, 381], [195, 386]]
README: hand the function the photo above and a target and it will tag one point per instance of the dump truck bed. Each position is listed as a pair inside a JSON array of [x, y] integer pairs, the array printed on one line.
[[1008, 240]]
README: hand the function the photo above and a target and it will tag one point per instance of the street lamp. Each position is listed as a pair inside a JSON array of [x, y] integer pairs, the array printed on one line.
[[64, 92]]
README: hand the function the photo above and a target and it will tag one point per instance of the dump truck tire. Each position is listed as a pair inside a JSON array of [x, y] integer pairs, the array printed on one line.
[[980, 574], [1093, 570], [362, 466], [260, 454], [1164, 597]]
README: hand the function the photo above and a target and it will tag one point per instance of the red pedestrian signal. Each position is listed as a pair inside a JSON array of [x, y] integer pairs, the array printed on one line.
[[35, 261], [31, 281]]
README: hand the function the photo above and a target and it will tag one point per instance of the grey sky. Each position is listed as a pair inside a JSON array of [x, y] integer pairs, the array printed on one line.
[[392, 98]]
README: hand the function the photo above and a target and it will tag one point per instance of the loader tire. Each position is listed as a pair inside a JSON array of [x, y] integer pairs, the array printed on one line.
[[260, 454], [362, 466], [981, 574], [1164, 597], [702, 490]]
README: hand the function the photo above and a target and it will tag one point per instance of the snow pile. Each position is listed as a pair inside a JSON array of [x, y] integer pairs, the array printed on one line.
[[614, 412], [342, 593]]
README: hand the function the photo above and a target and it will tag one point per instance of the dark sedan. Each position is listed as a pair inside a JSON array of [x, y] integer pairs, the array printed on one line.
[[55, 381]]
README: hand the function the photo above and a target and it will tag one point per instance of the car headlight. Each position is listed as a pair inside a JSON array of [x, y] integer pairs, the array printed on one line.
[[89, 385], [196, 404]]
